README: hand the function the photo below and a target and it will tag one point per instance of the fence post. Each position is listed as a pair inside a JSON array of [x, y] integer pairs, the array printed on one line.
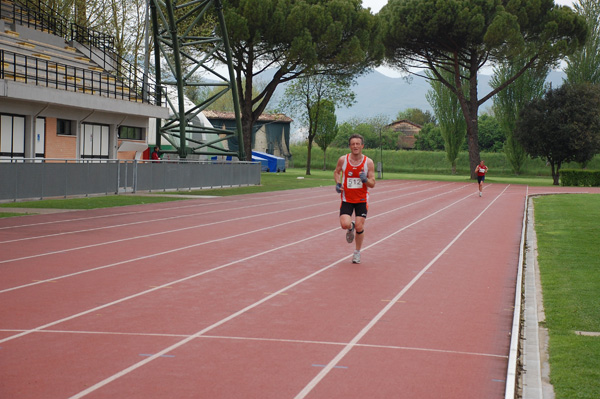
[[118, 176], [135, 171], [66, 179]]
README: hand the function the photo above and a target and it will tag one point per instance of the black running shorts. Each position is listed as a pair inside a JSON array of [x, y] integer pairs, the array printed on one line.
[[348, 208]]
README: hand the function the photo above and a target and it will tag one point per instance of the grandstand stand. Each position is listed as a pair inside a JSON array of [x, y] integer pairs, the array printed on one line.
[[64, 94]]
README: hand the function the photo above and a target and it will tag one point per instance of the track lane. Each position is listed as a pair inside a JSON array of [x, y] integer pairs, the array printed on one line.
[[310, 294]]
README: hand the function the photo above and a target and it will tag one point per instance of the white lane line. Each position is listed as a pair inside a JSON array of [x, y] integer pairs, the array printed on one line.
[[313, 383], [259, 339], [172, 251], [121, 240], [153, 220], [244, 310], [53, 279], [511, 370], [161, 208], [220, 201], [189, 215], [168, 284]]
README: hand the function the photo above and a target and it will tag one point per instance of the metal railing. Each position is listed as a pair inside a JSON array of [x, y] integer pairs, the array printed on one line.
[[34, 178], [98, 45], [46, 73]]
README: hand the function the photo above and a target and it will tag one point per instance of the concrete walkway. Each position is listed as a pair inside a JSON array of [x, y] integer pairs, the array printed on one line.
[[535, 378]]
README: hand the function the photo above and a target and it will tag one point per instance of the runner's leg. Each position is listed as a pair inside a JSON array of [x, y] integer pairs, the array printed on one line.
[[360, 227]]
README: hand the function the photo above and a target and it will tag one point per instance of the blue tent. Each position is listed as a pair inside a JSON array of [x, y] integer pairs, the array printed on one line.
[[275, 164], [264, 163]]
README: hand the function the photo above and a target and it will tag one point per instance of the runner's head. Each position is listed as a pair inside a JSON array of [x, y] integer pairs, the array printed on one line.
[[356, 136], [356, 143]]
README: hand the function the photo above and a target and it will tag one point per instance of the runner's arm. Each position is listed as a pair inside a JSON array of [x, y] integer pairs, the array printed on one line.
[[370, 174], [337, 173]]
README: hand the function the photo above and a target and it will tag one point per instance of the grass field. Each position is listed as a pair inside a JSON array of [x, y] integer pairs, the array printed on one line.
[[568, 228]]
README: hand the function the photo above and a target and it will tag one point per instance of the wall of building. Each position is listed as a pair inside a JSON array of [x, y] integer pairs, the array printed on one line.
[[59, 146]]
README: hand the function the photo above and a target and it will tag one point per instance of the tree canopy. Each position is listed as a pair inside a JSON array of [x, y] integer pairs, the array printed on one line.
[[447, 35], [290, 38], [452, 124], [309, 95], [584, 65], [563, 126], [509, 102], [326, 126]]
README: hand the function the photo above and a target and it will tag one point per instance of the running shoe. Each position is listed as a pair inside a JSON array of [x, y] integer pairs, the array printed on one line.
[[356, 257], [350, 234], [480, 193]]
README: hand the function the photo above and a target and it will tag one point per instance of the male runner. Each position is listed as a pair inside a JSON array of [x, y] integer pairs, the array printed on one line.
[[481, 170], [354, 175]]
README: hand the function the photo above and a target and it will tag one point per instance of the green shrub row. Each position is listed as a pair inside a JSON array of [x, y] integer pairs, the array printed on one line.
[[427, 162], [580, 178]]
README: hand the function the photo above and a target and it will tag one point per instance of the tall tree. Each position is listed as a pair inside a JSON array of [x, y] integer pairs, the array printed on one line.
[[447, 35], [510, 101], [563, 126], [306, 95], [416, 115], [451, 121], [583, 66], [287, 39], [327, 127]]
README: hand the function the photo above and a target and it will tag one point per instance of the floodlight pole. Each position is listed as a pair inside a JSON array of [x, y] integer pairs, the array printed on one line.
[[233, 85], [178, 74]]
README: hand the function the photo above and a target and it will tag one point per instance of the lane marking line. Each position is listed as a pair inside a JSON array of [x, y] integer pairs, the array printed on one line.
[[190, 246], [161, 207], [121, 240], [254, 305], [219, 202], [278, 340], [227, 265], [313, 383]]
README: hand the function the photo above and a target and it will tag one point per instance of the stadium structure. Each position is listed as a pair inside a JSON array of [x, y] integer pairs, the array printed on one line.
[[67, 97]]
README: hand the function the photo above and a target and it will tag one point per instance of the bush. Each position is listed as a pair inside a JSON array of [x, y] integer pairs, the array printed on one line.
[[403, 161], [580, 178]]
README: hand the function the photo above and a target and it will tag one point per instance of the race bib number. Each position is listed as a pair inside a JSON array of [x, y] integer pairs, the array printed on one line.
[[354, 182]]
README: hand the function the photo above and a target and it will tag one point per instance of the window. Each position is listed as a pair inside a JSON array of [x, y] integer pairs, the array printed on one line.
[[94, 141], [130, 133], [64, 127], [12, 136]]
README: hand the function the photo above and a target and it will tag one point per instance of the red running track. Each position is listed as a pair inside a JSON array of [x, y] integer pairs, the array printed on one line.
[[255, 297]]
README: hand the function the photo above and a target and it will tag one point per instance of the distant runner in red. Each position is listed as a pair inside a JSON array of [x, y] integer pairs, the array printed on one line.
[[481, 170], [354, 175]]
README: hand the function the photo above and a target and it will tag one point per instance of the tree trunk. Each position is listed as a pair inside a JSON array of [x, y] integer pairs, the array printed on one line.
[[555, 173], [324, 159], [472, 121], [473, 142], [247, 125], [308, 156], [470, 108]]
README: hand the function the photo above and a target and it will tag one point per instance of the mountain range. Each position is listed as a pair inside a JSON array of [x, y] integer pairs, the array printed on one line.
[[378, 94]]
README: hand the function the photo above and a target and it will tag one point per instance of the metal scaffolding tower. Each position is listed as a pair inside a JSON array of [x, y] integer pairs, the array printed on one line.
[[185, 38]]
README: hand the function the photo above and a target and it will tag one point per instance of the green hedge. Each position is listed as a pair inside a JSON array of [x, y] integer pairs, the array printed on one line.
[[580, 178], [427, 162]]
